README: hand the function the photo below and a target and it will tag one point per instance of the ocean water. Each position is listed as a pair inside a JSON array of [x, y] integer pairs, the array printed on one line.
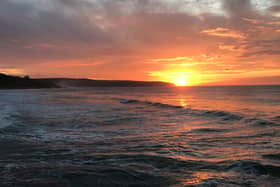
[[197, 136]]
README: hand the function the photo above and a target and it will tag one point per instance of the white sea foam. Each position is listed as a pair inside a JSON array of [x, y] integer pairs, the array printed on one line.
[[5, 113]]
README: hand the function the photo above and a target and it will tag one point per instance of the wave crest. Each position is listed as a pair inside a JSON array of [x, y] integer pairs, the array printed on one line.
[[208, 113], [223, 115], [255, 168], [157, 104]]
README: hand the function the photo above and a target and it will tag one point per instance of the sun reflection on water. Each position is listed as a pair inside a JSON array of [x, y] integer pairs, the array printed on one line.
[[199, 177], [183, 102]]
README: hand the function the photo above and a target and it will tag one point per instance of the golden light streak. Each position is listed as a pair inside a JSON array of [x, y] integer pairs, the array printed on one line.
[[178, 78], [12, 71], [224, 32]]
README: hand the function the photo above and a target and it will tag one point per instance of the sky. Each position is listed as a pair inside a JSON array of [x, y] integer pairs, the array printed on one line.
[[188, 42]]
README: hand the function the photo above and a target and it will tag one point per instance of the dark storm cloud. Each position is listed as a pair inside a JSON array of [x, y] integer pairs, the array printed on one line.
[[118, 22], [275, 8], [261, 34], [65, 22], [33, 32], [238, 8], [23, 21]]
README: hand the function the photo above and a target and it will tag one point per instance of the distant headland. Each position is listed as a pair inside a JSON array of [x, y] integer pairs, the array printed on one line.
[[16, 82]]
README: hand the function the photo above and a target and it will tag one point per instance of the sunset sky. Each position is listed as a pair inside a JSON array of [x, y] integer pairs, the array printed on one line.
[[181, 41]]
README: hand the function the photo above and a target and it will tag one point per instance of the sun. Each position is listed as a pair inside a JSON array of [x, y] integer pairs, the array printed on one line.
[[177, 78], [181, 81]]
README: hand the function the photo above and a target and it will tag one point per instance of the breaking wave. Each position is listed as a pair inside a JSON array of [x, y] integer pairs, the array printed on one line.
[[255, 168], [223, 115], [5, 115], [157, 104]]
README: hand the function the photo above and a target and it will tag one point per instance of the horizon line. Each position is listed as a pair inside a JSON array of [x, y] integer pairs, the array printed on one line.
[[158, 81]]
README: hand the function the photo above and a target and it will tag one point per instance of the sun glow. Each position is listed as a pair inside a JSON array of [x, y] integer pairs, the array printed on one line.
[[181, 80], [178, 78]]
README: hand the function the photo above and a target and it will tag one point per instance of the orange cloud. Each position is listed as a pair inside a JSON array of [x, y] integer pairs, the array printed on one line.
[[224, 32], [78, 64], [253, 21], [171, 59], [12, 71], [274, 23], [228, 47]]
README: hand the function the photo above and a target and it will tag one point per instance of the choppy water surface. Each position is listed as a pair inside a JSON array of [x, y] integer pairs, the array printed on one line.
[[204, 136]]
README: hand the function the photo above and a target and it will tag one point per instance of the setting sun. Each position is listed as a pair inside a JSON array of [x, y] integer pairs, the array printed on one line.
[[178, 78], [181, 81]]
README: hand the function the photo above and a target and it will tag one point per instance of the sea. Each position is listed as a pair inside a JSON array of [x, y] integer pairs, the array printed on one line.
[[224, 136]]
